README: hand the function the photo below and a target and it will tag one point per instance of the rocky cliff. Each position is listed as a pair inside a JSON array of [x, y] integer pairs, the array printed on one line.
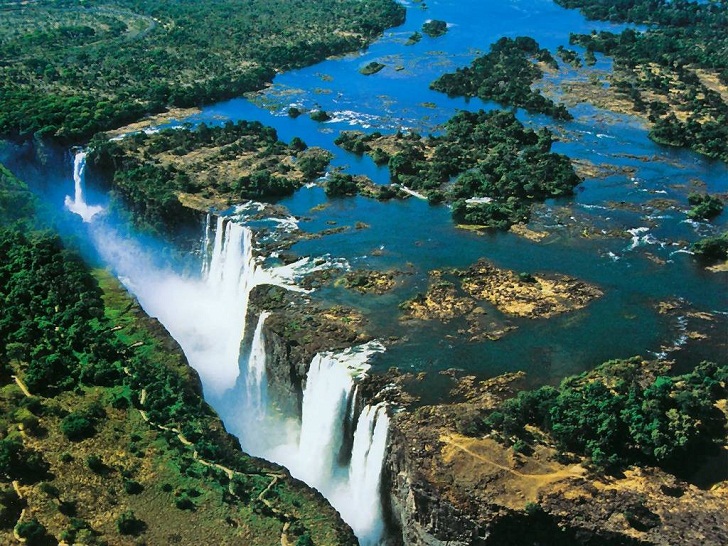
[[447, 488], [294, 332]]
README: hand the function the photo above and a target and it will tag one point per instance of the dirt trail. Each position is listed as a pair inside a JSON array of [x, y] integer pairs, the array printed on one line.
[[550, 475], [22, 386], [285, 517]]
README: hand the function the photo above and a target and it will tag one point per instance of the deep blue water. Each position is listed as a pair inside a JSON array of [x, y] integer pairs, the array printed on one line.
[[414, 237]]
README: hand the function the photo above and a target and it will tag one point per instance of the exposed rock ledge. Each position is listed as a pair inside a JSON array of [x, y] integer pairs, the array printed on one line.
[[461, 293], [445, 488], [294, 332]]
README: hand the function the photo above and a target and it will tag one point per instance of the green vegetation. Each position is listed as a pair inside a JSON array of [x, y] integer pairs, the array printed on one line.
[[712, 249], [372, 68], [339, 184], [489, 156], [569, 56], [505, 75], [129, 524], [413, 39], [617, 418], [214, 165], [17, 203], [102, 418], [705, 207], [320, 115], [672, 70], [74, 68], [434, 28]]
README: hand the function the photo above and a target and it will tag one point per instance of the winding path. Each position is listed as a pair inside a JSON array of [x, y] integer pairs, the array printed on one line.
[[275, 477]]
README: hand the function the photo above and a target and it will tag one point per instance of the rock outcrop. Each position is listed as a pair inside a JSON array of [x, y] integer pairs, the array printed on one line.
[[447, 488], [294, 332]]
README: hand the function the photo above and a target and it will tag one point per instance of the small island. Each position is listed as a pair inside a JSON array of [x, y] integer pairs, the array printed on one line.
[[372, 68], [158, 174], [486, 164], [434, 28], [505, 75]]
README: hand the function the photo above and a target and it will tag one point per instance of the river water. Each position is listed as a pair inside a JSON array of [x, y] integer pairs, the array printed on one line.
[[645, 264]]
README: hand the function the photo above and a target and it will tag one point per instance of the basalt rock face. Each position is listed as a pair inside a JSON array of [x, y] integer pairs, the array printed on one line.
[[418, 510], [447, 488], [294, 332]]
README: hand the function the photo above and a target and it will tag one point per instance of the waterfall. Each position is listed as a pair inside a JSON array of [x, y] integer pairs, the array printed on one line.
[[323, 413], [365, 471], [335, 445], [256, 385], [338, 446], [78, 204]]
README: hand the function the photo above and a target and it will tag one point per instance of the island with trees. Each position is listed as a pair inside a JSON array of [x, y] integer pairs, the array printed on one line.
[[487, 164], [505, 75], [674, 72], [157, 175]]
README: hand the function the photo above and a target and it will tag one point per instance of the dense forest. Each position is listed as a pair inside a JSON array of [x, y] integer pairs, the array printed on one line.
[[487, 164], [219, 164], [104, 434], [17, 203], [621, 414], [670, 70], [505, 75], [71, 68]]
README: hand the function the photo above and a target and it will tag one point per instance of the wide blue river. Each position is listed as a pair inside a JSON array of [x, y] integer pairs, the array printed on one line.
[[639, 260]]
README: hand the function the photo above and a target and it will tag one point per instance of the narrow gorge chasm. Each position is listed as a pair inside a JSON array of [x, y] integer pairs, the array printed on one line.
[[298, 406]]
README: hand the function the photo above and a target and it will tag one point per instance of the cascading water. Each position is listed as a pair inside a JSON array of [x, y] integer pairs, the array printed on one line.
[[256, 380], [78, 204], [363, 509], [343, 462], [207, 316]]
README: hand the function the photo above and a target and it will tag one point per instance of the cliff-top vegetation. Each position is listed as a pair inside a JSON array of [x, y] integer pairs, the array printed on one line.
[[208, 166]]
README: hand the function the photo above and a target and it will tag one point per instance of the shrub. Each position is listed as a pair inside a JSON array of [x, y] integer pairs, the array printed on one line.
[[128, 524], [96, 464], [32, 531], [133, 487], [184, 503], [76, 426]]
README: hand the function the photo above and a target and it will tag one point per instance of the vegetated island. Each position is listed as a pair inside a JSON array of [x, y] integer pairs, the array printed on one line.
[[371, 68], [608, 457], [72, 70], [505, 75], [158, 174], [434, 28], [674, 73], [105, 437], [487, 164]]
